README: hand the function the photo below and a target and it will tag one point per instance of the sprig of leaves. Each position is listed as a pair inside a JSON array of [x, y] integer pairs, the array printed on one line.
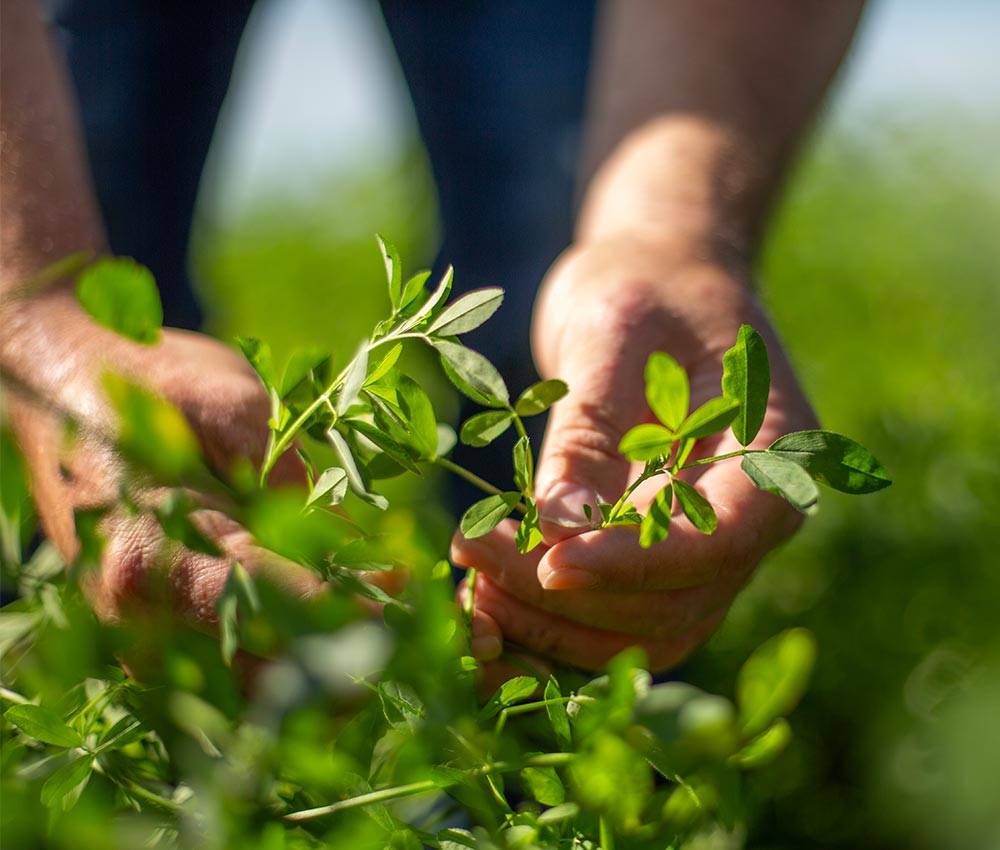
[[790, 467]]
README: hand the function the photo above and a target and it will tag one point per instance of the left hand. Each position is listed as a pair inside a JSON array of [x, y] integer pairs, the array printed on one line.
[[589, 593]]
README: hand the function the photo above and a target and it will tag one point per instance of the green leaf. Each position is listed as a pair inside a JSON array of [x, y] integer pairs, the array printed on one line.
[[332, 481], [475, 371], [656, 523], [393, 270], [713, 416], [544, 785], [766, 747], [414, 286], [152, 433], [834, 460], [524, 466], [384, 365], [746, 378], [776, 474], [419, 416], [667, 390], [301, 362], [64, 787], [483, 428], [529, 533], [238, 594], [121, 294], [468, 312], [42, 724], [436, 299], [612, 778], [696, 507], [486, 514], [646, 442], [357, 371], [258, 354], [556, 711], [540, 397], [510, 692], [354, 479], [772, 681]]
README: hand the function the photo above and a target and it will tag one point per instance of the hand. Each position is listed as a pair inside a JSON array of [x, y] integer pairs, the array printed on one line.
[[227, 409], [588, 594]]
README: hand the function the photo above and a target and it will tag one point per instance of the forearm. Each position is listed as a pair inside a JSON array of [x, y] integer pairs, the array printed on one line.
[[696, 110]]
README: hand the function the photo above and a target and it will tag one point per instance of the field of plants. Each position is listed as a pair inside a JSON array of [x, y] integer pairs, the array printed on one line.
[[370, 732]]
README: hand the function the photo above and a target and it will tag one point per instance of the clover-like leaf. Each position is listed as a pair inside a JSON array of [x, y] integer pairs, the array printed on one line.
[[834, 460], [468, 312], [483, 428], [540, 397], [667, 390], [713, 416], [121, 294], [486, 514], [474, 372], [656, 523], [696, 507], [646, 442], [746, 378], [43, 724], [776, 474]]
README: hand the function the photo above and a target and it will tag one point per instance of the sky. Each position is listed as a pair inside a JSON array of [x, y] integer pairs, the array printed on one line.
[[317, 88]]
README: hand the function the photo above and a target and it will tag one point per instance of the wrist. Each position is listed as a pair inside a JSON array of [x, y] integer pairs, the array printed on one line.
[[679, 182]]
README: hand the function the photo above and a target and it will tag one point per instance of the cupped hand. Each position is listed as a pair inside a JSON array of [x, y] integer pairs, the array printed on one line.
[[589, 593]]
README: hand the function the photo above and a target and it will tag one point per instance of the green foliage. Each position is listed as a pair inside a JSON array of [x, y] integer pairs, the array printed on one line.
[[355, 733], [746, 378], [122, 295]]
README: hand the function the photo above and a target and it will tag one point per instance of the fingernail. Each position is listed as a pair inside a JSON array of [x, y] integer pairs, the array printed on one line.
[[568, 578], [563, 505], [486, 648]]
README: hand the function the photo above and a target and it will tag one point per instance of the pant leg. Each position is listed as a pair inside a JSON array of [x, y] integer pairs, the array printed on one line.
[[499, 91], [150, 77]]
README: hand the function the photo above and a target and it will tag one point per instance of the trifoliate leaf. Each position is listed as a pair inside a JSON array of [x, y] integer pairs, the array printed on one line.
[[121, 294], [713, 416], [646, 442], [483, 428], [783, 477], [834, 460], [474, 371], [540, 397], [667, 390], [64, 787], [332, 482], [746, 378], [696, 507], [43, 724], [468, 312], [485, 515], [656, 523]]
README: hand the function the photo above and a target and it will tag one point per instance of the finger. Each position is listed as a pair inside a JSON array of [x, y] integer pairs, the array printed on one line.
[[580, 463], [750, 523], [574, 643], [486, 642], [654, 614]]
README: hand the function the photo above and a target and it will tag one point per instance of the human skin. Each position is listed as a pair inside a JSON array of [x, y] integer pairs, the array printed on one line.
[[696, 113], [697, 107]]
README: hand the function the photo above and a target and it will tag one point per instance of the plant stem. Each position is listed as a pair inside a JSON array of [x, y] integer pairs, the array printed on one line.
[[707, 460], [647, 473], [399, 791], [474, 479], [607, 834], [13, 696]]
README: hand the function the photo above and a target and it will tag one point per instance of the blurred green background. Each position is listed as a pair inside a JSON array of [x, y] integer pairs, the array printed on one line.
[[881, 270]]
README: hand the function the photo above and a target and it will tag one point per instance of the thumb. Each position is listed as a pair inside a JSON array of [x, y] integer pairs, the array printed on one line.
[[580, 463]]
